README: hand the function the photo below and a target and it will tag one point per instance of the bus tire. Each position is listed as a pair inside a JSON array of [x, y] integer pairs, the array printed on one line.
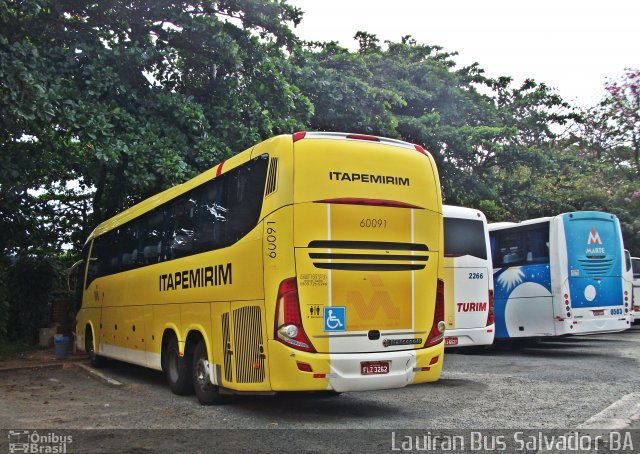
[[95, 360], [207, 392], [177, 369]]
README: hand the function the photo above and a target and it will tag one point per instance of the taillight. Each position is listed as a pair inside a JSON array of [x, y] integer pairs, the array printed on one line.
[[363, 137], [288, 323], [437, 330], [491, 314]]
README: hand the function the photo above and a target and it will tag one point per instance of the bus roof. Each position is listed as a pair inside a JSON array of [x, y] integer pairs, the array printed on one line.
[[348, 136], [451, 211]]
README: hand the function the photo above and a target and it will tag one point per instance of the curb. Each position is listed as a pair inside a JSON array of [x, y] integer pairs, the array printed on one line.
[[100, 375], [34, 366]]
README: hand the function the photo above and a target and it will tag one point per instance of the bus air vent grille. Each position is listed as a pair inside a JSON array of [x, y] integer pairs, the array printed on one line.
[[226, 342], [272, 177], [247, 328], [369, 255], [596, 266]]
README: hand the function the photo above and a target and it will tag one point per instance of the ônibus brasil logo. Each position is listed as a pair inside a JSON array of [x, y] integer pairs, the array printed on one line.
[[594, 238]]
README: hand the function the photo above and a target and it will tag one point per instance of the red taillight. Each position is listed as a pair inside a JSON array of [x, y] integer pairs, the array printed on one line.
[[437, 329], [370, 202], [491, 313], [363, 137], [288, 323], [299, 135]]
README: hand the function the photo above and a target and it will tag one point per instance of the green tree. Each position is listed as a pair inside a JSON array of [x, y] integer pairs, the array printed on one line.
[[128, 98], [622, 107]]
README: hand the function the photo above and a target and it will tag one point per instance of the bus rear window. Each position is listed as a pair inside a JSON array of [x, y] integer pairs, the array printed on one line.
[[464, 237]]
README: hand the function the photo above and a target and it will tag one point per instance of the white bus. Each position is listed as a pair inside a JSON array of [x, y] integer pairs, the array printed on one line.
[[468, 277], [559, 275]]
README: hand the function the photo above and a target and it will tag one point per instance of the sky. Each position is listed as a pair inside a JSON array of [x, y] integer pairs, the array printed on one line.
[[574, 46]]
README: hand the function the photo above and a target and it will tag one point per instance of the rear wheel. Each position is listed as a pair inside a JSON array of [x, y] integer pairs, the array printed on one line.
[[177, 369], [207, 392], [95, 360]]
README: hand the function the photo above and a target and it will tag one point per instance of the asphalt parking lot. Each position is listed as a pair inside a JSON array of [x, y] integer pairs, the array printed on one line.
[[556, 384]]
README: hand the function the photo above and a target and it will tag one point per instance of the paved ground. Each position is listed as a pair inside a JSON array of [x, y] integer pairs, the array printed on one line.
[[558, 384]]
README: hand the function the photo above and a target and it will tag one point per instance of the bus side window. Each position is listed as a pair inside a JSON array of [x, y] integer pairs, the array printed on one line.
[[93, 267], [183, 223], [129, 245], [151, 236], [245, 190], [212, 216]]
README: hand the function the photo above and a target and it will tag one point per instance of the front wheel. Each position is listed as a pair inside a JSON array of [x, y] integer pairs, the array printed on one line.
[[95, 360], [207, 392]]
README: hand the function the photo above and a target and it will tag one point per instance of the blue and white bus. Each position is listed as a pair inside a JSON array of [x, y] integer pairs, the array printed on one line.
[[559, 275]]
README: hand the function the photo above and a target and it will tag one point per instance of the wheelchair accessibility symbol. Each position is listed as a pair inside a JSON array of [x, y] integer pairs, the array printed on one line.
[[335, 318]]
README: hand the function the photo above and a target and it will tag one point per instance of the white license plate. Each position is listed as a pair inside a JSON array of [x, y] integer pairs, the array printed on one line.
[[374, 367]]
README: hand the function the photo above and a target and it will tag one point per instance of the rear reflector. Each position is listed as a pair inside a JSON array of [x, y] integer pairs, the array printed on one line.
[[491, 313], [304, 367], [370, 202], [363, 137], [299, 135]]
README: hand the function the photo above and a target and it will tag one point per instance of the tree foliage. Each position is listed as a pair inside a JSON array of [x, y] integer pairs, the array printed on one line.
[[105, 103]]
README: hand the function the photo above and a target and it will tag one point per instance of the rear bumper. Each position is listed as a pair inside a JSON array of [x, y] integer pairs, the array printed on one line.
[[471, 336], [341, 371], [594, 326]]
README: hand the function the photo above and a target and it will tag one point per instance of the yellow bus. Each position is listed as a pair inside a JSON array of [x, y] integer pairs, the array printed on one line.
[[309, 262]]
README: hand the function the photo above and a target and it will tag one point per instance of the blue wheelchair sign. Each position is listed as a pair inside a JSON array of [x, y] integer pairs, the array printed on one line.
[[335, 318]]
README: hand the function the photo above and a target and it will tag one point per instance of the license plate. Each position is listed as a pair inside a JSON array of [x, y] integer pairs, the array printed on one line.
[[374, 367], [598, 312], [450, 341]]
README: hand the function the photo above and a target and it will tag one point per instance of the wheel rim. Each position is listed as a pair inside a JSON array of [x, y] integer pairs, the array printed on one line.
[[202, 374]]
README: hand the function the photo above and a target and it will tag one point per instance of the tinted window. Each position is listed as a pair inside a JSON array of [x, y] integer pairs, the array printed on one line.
[[464, 237], [214, 215], [520, 246], [182, 225], [635, 263]]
